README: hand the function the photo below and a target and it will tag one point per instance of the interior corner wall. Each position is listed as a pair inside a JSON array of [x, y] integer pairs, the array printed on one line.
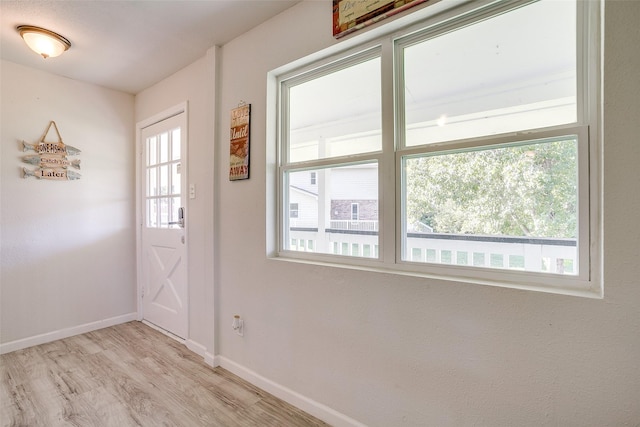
[[194, 84], [388, 350], [67, 247]]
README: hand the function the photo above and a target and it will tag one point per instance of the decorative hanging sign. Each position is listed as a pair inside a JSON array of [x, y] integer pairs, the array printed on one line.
[[51, 148], [51, 158], [55, 174], [51, 162], [239, 142]]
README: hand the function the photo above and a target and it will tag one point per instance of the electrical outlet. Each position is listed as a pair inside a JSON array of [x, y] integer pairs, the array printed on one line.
[[238, 325]]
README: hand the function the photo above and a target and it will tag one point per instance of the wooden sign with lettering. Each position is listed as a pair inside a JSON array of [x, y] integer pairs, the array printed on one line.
[[51, 162], [239, 142], [54, 174], [51, 158]]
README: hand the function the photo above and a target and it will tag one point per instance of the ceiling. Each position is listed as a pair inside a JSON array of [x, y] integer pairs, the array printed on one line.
[[132, 44]]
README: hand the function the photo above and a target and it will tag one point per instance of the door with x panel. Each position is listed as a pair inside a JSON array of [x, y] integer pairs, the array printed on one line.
[[164, 249]]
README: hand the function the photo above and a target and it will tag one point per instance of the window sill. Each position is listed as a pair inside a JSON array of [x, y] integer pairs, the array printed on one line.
[[569, 288]]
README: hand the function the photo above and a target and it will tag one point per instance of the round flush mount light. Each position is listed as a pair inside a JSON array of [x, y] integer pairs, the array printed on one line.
[[44, 42]]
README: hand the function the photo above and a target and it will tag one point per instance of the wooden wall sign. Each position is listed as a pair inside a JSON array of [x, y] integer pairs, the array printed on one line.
[[239, 142], [352, 15], [51, 158]]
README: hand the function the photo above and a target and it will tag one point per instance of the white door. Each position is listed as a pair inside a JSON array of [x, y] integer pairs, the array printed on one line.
[[163, 246]]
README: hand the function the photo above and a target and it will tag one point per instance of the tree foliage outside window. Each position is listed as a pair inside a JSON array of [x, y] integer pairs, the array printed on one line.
[[526, 190]]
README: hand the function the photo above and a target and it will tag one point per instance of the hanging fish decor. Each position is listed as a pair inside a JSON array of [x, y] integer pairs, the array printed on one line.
[[51, 148], [54, 174], [51, 158], [51, 162]]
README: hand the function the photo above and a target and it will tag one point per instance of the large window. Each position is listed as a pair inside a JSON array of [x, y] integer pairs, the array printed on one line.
[[464, 149]]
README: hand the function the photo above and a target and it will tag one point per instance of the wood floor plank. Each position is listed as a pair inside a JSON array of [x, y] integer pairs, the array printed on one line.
[[131, 375]]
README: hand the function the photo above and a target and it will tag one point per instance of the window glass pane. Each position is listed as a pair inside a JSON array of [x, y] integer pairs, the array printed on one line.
[[152, 213], [345, 248], [152, 154], [516, 261], [175, 144], [175, 206], [324, 210], [517, 203], [462, 258], [478, 259], [504, 74], [164, 179], [164, 205], [497, 260], [164, 147], [175, 178], [336, 114], [152, 181]]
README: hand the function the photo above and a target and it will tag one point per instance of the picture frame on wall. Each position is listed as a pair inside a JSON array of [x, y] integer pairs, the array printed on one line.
[[239, 142], [352, 15]]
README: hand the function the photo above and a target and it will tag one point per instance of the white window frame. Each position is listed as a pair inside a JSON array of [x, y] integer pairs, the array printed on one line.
[[587, 127]]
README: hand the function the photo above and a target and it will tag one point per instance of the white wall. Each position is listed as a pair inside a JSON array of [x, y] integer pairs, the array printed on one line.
[[68, 259], [389, 350], [194, 84]]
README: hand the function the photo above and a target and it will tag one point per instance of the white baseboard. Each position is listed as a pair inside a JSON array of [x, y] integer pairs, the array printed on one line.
[[201, 350], [65, 333], [196, 347], [210, 360], [308, 405]]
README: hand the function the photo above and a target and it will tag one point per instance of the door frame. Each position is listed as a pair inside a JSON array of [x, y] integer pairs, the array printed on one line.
[[140, 168]]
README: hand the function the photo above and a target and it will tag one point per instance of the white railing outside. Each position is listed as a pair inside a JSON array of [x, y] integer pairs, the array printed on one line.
[[354, 225], [538, 255]]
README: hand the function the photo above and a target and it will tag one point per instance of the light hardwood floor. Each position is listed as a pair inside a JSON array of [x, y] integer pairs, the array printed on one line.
[[130, 375]]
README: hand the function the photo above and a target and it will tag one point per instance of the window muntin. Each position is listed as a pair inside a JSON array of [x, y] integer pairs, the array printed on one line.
[[568, 111]]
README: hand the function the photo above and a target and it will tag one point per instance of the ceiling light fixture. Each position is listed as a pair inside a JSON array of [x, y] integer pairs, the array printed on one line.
[[44, 42]]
